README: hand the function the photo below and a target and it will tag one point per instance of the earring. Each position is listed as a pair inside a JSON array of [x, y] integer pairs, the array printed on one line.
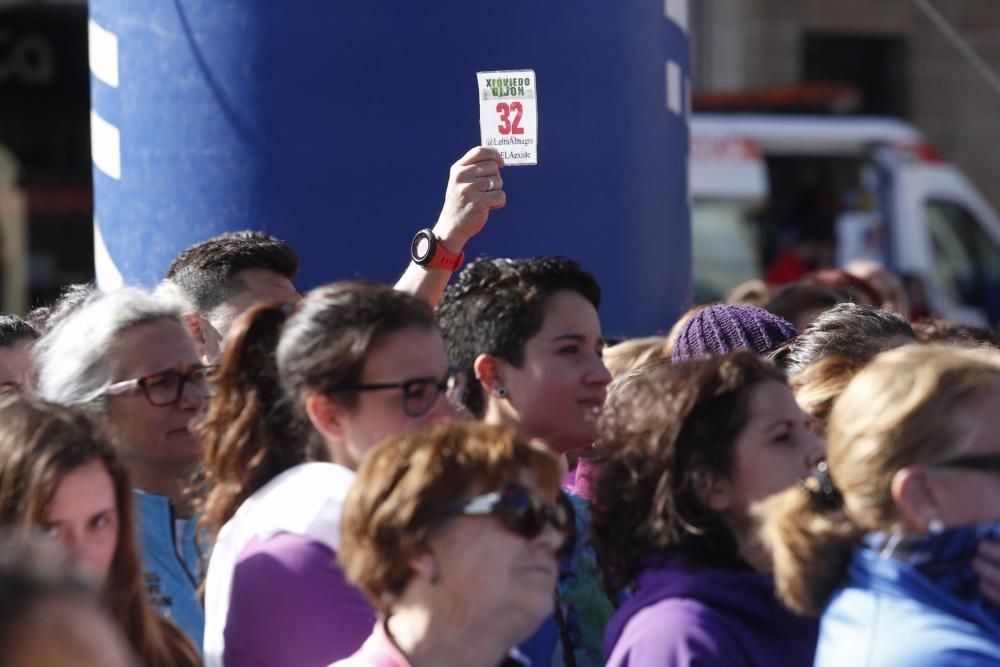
[[935, 526], [501, 392]]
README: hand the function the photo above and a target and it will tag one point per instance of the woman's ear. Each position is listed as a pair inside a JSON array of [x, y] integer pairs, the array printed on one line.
[[715, 492], [424, 564], [486, 369], [913, 494], [324, 414]]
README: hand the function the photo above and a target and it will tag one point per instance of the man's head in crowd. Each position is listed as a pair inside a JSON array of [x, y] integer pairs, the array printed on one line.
[[220, 278], [848, 330], [529, 332], [16, 339]]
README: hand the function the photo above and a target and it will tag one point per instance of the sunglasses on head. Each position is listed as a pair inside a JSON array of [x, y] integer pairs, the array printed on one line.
[[522, 513]]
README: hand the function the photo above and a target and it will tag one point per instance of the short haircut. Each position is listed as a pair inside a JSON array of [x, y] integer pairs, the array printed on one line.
[[408, 482], [848, 330], [207, 272], [73, 363], [496, 305], [13, 330]]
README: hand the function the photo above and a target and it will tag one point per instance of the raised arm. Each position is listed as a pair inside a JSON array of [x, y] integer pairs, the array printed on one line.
[[475, 188]]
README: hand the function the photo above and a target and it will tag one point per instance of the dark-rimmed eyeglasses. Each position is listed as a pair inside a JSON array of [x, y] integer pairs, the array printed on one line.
[[522, 513], [419, 394], [985, 462], [165, 387]]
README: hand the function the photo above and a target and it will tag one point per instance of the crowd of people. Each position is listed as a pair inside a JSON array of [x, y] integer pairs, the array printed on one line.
[[226, 472]]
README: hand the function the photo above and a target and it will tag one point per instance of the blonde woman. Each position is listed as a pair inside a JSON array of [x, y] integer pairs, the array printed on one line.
[[882, 542], [817, 387]]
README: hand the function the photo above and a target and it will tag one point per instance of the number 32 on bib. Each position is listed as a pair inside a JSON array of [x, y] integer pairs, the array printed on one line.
[[508, 114]]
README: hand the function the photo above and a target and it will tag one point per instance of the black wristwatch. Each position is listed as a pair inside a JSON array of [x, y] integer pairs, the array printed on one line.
[[427, 250]]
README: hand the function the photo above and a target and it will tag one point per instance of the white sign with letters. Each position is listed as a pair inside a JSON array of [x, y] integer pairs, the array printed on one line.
[[508, 114]]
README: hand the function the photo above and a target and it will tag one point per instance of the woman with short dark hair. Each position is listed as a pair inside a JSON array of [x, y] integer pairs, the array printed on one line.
[[528, 334]]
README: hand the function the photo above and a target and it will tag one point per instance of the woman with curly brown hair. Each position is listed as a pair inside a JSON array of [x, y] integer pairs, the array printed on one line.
[[689, 448], [59, 475]]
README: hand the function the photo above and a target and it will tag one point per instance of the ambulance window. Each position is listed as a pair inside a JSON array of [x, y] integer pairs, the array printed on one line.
[[725, 248], [966, 258]]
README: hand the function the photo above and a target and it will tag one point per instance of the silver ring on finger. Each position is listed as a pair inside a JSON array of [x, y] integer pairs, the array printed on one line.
[[492, 185]]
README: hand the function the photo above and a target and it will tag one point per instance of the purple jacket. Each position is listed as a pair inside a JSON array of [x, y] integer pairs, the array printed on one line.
[[274, 595], [698, 617], [291, 605]]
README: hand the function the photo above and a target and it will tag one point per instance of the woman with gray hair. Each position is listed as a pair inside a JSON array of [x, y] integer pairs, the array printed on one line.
[[126, 356]]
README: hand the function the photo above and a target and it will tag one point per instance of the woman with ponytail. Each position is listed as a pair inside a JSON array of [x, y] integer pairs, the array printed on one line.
[[303, 393], [881, 542]]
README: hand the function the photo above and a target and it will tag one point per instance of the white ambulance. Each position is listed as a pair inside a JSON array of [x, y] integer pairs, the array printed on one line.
[[831, 189]]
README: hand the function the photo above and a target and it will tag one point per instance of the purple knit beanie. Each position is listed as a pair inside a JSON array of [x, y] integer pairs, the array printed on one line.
[[724, 327]]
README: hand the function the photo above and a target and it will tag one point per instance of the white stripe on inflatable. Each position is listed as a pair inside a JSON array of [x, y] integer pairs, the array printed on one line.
[[674, 92], [687, 98], [677, 11], [103, 53], [105, 146], [108, 276]]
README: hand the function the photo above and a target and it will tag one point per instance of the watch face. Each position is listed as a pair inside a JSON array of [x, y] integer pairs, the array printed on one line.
[[421, 247]]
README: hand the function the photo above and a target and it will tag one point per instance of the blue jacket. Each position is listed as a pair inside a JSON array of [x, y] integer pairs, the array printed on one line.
[[889, 615], [171, 581]]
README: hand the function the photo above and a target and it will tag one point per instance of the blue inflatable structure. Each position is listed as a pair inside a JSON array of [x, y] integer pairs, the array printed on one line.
[[332, 125]]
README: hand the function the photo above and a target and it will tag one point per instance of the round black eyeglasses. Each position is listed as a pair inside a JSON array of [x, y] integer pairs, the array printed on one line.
[[164, 388], [419, 394]]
